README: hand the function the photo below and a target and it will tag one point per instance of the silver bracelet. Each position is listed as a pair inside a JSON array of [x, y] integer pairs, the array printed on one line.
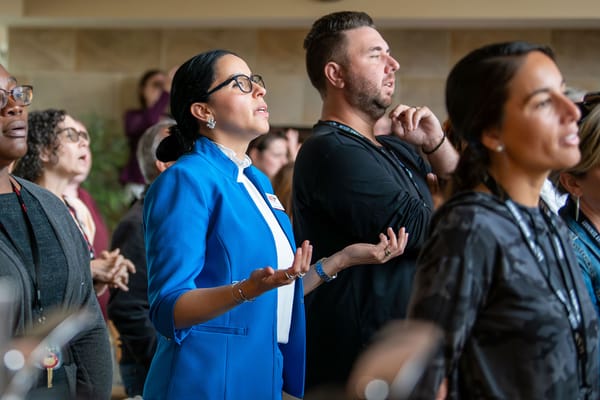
[[241, 298], [322, 274]]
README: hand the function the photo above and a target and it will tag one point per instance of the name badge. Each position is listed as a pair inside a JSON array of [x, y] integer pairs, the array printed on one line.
[[275, 203]]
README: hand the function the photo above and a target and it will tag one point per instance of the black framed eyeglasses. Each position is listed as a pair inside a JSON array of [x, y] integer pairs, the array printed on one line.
[[590, 101], [22, 95], [74, 135], [243, 82]]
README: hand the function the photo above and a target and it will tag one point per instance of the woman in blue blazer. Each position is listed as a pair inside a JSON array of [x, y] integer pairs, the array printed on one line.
[[218, 241]]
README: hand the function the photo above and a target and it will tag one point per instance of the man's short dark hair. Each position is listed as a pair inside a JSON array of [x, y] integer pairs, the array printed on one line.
[[326, 42]]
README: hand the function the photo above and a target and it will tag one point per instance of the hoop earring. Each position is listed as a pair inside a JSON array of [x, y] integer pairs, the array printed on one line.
[[577, 209], [211, 123]]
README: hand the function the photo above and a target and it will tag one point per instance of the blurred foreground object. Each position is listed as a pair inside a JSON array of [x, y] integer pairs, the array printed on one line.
[[22, 357], [395, 361]]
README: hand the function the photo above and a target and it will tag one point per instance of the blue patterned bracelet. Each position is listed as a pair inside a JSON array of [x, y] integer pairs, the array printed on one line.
[[322, 274]]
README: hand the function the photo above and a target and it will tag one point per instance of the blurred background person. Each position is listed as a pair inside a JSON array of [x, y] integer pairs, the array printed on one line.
[[153, 93], [269, 152], [282, 185], [74, 190], [582, 209], [47, 261], [128, 310], [57, 152], [498, 274]]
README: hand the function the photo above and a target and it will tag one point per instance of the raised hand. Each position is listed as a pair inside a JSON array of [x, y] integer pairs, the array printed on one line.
[[389, 246], [264, 279], [416, 125]]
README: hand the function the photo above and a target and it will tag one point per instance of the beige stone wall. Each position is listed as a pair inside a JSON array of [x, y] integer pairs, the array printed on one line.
[[96, 70]]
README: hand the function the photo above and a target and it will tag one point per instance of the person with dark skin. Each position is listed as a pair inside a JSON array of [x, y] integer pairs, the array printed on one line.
[[46, 260]]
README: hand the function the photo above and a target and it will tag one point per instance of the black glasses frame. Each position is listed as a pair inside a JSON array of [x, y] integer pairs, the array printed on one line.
[[74, 135], [17, 99], [253, 79]]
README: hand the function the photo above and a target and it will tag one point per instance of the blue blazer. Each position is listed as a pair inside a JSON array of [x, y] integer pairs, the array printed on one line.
[[203, 230]]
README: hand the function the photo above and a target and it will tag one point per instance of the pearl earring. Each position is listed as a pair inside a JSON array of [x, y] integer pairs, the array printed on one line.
[[500, 148], [211, 123]]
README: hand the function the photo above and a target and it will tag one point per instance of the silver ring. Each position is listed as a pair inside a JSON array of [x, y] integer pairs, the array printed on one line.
[[301, 274], [290, 277], [387, 252]]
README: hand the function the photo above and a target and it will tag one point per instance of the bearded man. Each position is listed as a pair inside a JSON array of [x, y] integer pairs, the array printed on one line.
[[350, 184]]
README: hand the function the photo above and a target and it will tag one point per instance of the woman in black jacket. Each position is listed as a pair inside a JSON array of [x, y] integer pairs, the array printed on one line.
[[498, 273]]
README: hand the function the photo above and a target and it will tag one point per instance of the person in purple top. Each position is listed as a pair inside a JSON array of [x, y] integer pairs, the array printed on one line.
[[153, 89]]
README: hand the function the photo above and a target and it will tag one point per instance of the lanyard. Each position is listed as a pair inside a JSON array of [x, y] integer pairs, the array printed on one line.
[[80, 226], [569, 300], [590, 229], [388, 153], [37, 302]]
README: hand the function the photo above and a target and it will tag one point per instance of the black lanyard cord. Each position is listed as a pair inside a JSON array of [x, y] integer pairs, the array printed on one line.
[[569, 300], [389, 154], [35, 251]]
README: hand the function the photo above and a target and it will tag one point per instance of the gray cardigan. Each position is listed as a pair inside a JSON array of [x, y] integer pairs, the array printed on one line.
[[90, 373]]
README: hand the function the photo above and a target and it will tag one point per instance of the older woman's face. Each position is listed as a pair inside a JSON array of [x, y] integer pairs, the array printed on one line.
[[239, 114], [73, 154], [13, 124], [539, 129]]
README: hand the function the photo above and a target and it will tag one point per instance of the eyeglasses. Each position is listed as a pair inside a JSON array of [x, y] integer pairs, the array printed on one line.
[[22, 95], [243, 82], [73, 134], [590, 101]]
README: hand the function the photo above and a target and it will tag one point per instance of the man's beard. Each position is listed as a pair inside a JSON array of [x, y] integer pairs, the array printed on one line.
[[365, 96]]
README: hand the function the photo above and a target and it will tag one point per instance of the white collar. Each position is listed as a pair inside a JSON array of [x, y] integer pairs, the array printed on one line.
[[242, 164]]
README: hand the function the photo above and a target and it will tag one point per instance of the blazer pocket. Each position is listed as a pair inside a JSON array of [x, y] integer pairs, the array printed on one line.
[[227, 330]]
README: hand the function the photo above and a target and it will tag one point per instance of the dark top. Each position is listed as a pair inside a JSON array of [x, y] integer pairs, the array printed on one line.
[[129, 310], [87, 364], [52, 280], [136, 123], [347, 190], [507, 334]]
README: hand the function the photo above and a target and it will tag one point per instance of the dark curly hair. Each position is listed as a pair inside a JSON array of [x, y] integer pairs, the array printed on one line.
[[42, 135]]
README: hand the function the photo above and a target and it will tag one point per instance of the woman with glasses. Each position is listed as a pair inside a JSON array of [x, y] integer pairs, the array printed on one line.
[[222, 266], [582, 210], [498, 274], [46, 260], [58, 150]]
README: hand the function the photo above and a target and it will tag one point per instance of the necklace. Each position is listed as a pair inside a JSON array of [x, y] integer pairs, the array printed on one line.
[[80, 226]]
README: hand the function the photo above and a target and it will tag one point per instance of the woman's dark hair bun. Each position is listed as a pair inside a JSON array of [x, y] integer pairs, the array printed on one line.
[[171, 147]]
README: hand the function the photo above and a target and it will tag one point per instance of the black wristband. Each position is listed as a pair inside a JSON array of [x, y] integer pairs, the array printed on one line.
[[436, 147]]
